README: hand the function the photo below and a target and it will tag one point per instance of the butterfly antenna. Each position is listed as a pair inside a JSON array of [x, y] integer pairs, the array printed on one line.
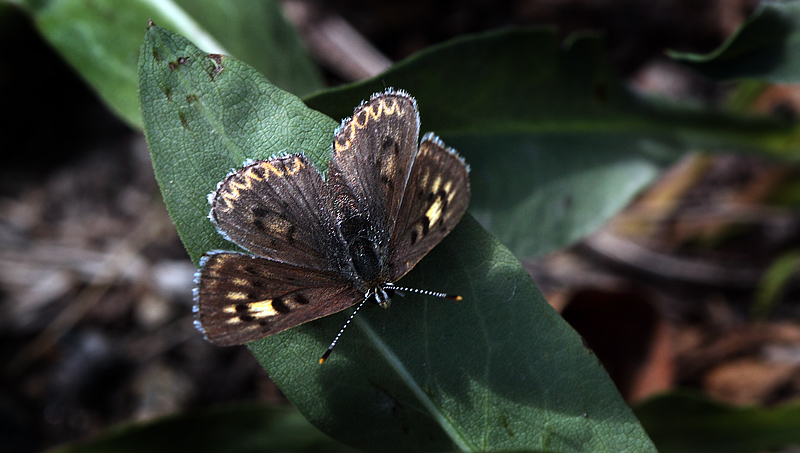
[[333, 343], [423, 292]]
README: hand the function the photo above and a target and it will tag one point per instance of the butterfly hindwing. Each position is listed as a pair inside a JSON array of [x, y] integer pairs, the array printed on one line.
[[275, 209], [434, 201], [241, 298]]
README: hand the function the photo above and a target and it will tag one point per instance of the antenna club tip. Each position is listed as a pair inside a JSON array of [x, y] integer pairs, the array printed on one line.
[[454, 297], [325, 356]]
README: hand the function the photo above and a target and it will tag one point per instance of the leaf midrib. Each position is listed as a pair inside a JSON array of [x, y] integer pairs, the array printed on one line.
[[447, 425]]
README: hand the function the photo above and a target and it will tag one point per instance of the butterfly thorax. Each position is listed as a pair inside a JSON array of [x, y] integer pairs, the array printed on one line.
[[366, 257]]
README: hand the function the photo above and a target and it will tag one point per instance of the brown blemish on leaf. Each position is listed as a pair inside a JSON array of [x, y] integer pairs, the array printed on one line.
[[168, 92], [173, 65], [184, 123], [191, 98], [216, 60]]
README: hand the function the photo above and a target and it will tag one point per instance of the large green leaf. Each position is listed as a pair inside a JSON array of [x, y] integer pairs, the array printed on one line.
[[765, 47], [498, 370], [687, 423], [101, 39], [234, 429], [556, 143]]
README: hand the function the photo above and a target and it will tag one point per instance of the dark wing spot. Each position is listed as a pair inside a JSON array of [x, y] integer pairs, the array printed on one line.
[[259, 214], [259, 172], [389, 142], [241, 308], [290, 235], [414, 237], [442, 195], [246, 318], [426, 225], [280, 306], [259, 225], [301, 299]]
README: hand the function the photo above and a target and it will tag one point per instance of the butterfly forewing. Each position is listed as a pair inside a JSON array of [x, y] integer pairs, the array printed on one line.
[[434, 201], [372, 153], [241, 298], [275, 209]]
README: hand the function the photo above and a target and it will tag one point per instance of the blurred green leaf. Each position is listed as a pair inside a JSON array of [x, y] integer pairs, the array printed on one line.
[[688, 422], [498, 370], [234, 429], [765, 47], [101, 39], [773, 283], [557, 145]]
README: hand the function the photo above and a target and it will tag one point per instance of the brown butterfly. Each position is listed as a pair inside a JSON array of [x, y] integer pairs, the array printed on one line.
[[320, 246]]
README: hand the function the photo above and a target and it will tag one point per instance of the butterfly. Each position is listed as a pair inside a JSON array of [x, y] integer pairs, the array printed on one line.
[[318, 246]]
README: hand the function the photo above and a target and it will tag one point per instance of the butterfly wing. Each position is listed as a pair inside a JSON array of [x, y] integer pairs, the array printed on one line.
[[241, 298], [435, 199], [372, 154], [276, 209]]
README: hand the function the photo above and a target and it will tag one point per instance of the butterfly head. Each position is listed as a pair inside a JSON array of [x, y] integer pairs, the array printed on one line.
[[383, 295]]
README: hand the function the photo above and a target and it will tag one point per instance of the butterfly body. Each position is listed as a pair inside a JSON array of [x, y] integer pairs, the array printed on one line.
[[318, 246]]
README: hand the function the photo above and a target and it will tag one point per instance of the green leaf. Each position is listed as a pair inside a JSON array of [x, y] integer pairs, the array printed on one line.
[[765, 47], [773, 284], [499, 369], [234, 429], [101, 39], [557, 145], [687, 422]]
